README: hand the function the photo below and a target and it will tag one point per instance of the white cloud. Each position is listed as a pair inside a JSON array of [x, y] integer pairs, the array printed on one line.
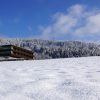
[[91, 25], [77, 10], [78, 21]]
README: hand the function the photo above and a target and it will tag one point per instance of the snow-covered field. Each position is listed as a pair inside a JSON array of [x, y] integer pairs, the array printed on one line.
[[59, 79]]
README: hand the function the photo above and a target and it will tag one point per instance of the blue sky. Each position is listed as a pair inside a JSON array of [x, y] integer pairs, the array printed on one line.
[[50, 19]]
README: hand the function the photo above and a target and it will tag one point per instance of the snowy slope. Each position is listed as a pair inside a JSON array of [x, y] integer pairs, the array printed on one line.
[[59, 79]]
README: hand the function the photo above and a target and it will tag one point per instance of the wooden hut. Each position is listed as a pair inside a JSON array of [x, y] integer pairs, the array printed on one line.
[[15, 52]]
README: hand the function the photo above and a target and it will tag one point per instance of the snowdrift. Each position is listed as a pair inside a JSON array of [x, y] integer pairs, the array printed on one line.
[[59, 79]]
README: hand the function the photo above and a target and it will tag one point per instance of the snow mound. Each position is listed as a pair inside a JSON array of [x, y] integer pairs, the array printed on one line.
[[59, 79]]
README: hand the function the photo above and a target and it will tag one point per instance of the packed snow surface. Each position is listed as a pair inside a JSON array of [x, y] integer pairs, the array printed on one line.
[[59, 79]]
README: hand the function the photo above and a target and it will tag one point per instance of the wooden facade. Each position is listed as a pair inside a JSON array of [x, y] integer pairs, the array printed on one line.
[[15, 52]]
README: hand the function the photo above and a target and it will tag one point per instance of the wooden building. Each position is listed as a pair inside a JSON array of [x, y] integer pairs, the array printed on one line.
[[15, 52]]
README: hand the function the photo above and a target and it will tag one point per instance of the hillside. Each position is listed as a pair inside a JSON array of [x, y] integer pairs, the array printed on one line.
[[59, 79], [44, 49]]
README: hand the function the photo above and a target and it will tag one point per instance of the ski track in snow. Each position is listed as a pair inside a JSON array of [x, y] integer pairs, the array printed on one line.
[[59, 79]]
